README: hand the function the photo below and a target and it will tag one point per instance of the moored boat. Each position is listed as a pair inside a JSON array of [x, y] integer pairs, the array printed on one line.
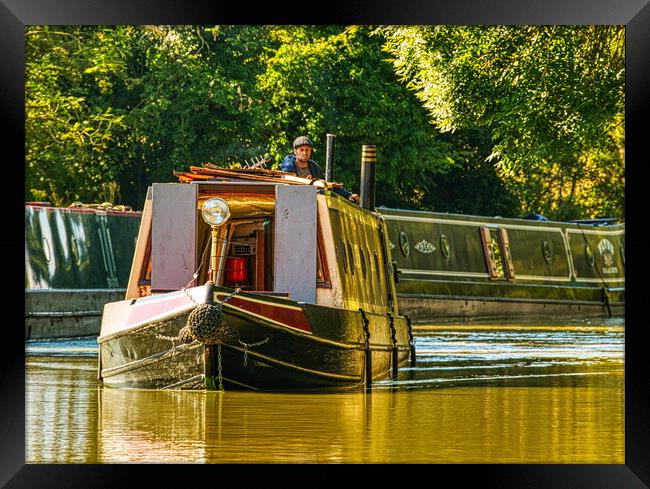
[[77, 259], [466, 268]]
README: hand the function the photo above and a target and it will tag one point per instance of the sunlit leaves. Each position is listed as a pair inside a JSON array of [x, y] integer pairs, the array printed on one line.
[[129, 104], [463, 117], [335, 80], [550, 95]]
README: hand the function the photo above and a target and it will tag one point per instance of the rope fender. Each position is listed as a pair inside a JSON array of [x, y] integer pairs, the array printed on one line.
[[411, 340], [394, 358], [206, 323]]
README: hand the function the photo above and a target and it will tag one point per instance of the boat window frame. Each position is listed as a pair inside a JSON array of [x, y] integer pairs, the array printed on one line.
[[495, 267], [323, 279], [496, 250]]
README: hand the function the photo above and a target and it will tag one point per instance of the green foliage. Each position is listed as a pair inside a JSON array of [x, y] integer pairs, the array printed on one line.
[[68, 139], [552, 98], [335, 80], [525, 118], [128, 104]]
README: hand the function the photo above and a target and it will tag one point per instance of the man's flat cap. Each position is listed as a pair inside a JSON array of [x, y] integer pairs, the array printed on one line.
[[301, 141]]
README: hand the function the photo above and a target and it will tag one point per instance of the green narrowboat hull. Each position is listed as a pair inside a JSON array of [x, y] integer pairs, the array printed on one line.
[[466, 268], [317, 347], [71, 248], [76, 260]]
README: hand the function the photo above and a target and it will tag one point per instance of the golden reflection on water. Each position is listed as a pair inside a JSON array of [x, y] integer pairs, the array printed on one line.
[[459, 425], [576, 419]]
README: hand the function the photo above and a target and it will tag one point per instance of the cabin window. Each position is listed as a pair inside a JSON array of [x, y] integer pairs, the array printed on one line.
[[46, 249], [444, 247], [547, 252], [404, 244], [362, 259], [589, 256], [343, 255], [351, 258], [380, 277]]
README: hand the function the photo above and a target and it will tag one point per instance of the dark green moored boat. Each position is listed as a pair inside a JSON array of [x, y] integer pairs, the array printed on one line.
[[459, 268], [304, 289], [76, 260]]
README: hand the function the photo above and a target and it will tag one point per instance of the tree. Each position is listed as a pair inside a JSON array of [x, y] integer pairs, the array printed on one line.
[[334, 79], [127, 105], [67, 137], [552, 98]]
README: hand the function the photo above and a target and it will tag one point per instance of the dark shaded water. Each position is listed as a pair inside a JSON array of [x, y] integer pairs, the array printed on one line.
[[479, 394]]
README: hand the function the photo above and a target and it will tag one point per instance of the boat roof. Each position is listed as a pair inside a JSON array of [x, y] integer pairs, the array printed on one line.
[[605, 222], [258, 174]]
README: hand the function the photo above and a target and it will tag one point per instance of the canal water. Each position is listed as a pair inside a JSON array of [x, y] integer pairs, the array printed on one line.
[[477, 394]]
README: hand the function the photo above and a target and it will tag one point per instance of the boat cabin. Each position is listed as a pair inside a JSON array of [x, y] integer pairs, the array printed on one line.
[[287, 240]]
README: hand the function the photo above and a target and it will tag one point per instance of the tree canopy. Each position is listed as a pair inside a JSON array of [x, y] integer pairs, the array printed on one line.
[[482, 120], [551, 97]]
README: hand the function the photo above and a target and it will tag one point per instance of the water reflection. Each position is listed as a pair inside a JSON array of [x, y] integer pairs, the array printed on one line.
[[61, 408], [475, 396], [462, 425], [516, 356]]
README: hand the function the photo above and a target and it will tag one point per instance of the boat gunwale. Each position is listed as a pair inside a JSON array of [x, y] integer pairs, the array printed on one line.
[[140, 327], [506, 299]]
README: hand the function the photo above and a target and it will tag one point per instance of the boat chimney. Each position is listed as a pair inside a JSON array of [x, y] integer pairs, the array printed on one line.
[[368, 159], [329, 158]]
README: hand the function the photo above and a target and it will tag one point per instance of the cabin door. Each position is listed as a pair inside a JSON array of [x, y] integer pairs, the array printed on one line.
[[295, 243], [173, 243]]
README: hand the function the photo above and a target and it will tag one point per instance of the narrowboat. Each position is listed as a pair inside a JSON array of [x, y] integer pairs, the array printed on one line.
[[77, 259], [461, 268], [258, 279]]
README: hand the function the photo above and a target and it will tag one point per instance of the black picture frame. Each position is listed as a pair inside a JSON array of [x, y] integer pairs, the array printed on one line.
[[634, 14]]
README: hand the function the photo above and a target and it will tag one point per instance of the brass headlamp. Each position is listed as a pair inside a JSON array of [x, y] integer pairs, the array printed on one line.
[[215, 212]]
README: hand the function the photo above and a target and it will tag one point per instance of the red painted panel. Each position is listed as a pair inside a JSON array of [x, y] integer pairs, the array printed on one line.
[[275, 312]]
